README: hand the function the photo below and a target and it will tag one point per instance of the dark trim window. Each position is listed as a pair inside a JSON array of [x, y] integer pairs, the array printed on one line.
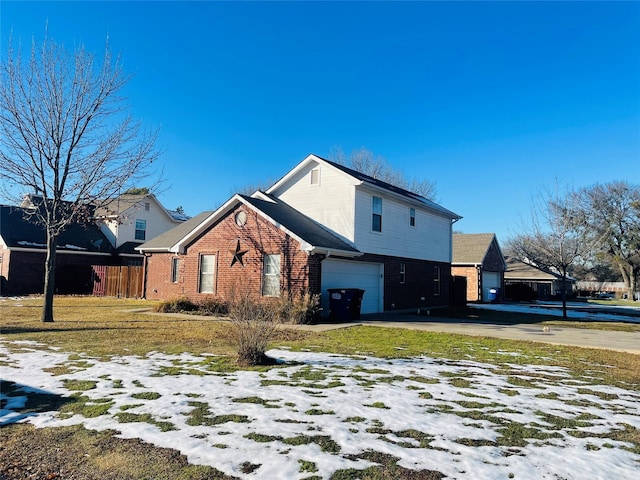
[[175, 269], [376, 214], [271, 276], [412, 217], [141, 229], [207, 273], [436, 280], [403, 274]]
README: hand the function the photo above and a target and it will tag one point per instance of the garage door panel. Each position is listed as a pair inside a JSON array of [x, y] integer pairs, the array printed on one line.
[[345, 274]]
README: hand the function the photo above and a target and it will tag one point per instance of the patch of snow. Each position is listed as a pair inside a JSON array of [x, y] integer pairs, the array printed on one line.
[[377, 402]]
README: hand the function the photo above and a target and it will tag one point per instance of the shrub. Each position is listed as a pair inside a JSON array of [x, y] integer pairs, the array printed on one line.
[[208, 306], [298, 308], [255, 323], [178, 305], [212, 306]]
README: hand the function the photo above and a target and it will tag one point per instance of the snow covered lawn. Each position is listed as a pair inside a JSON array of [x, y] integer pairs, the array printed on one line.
[[320, 413]]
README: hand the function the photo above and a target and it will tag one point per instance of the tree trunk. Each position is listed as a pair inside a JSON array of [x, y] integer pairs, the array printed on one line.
[[564, 295], [49, 278]]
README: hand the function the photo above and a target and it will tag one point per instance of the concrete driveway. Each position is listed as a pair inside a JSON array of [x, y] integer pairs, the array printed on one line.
[[578, 337]]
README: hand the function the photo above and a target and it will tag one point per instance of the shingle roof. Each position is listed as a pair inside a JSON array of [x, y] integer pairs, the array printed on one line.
[[19, 232], [517, 270], [171, 237], [392, 188], [299, 224], [471, 248]]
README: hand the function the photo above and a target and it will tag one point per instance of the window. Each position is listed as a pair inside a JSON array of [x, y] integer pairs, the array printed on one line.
[[147, 206], [436, 280], [412, 217], [271, 276], [175, 269], [207, 273], [141, 229], [376, 218], [403, 274], [315, 176]]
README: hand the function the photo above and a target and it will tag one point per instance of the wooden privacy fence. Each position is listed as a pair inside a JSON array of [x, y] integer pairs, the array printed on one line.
[[117, 281]]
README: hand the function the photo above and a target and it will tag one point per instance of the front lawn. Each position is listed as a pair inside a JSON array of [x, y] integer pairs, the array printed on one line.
[[363, 402]]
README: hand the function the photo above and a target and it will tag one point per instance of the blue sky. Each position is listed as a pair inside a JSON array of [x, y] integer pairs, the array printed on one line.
[[491, 101]]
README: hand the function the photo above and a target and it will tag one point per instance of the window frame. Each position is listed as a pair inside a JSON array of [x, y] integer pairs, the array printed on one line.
[[136, 234], [212, 274], [412, 217], [175, 269], [376, 214], [315, 172], [436, 281], [268, 277]]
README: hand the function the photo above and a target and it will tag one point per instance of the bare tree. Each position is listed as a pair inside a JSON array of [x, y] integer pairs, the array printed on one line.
[[376, 166], [612, 212], [65, 135], [556, 238]]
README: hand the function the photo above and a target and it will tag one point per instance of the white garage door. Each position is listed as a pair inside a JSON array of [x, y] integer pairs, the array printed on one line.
[[489, 280], [345, 274]]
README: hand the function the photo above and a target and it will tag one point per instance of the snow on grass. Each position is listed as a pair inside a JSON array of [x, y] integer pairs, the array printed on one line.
[[465, 419]]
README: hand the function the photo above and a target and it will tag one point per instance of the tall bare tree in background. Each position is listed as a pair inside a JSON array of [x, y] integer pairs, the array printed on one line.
[[612, 212], [65, 135], [557, 237], [364, 161]]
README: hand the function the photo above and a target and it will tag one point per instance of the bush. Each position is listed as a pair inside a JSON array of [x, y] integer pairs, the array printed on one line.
[[213, 306], [255, 323], [178, 305], [208, 306], [298, 309]]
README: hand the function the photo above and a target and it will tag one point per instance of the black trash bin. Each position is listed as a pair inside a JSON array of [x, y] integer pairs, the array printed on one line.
[[344, 303]]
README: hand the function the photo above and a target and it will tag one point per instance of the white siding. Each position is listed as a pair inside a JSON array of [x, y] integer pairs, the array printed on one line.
[[430, 239], [331, 203], [157, 222]]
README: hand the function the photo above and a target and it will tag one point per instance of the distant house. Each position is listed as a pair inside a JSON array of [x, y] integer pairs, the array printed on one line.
[[478, 258], [109, 240], [524, 281], [322, 226], [130, 220], [23, 248]]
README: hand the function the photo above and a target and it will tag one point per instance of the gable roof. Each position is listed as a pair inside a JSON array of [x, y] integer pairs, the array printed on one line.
[[18, 232], [165, 242], [367, 180], [518, 270], [312, 236], [298, 225], [471, 248], [124, 202]]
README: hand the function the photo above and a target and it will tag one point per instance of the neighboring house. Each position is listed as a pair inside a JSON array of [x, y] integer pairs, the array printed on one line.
[[321, 226], [478, 258], [23, 252], [130, 220], [524, 281], [120, 227]]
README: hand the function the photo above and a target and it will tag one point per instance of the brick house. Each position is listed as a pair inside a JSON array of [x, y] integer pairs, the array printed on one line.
[[23, 252], [108, 239], [321, 226], [479, 259]]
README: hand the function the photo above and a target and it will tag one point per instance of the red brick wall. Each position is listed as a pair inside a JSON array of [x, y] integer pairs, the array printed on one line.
[[473, 281], [299, 272]]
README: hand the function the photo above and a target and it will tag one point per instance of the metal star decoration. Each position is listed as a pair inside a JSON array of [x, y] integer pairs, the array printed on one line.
[[238, 254]]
